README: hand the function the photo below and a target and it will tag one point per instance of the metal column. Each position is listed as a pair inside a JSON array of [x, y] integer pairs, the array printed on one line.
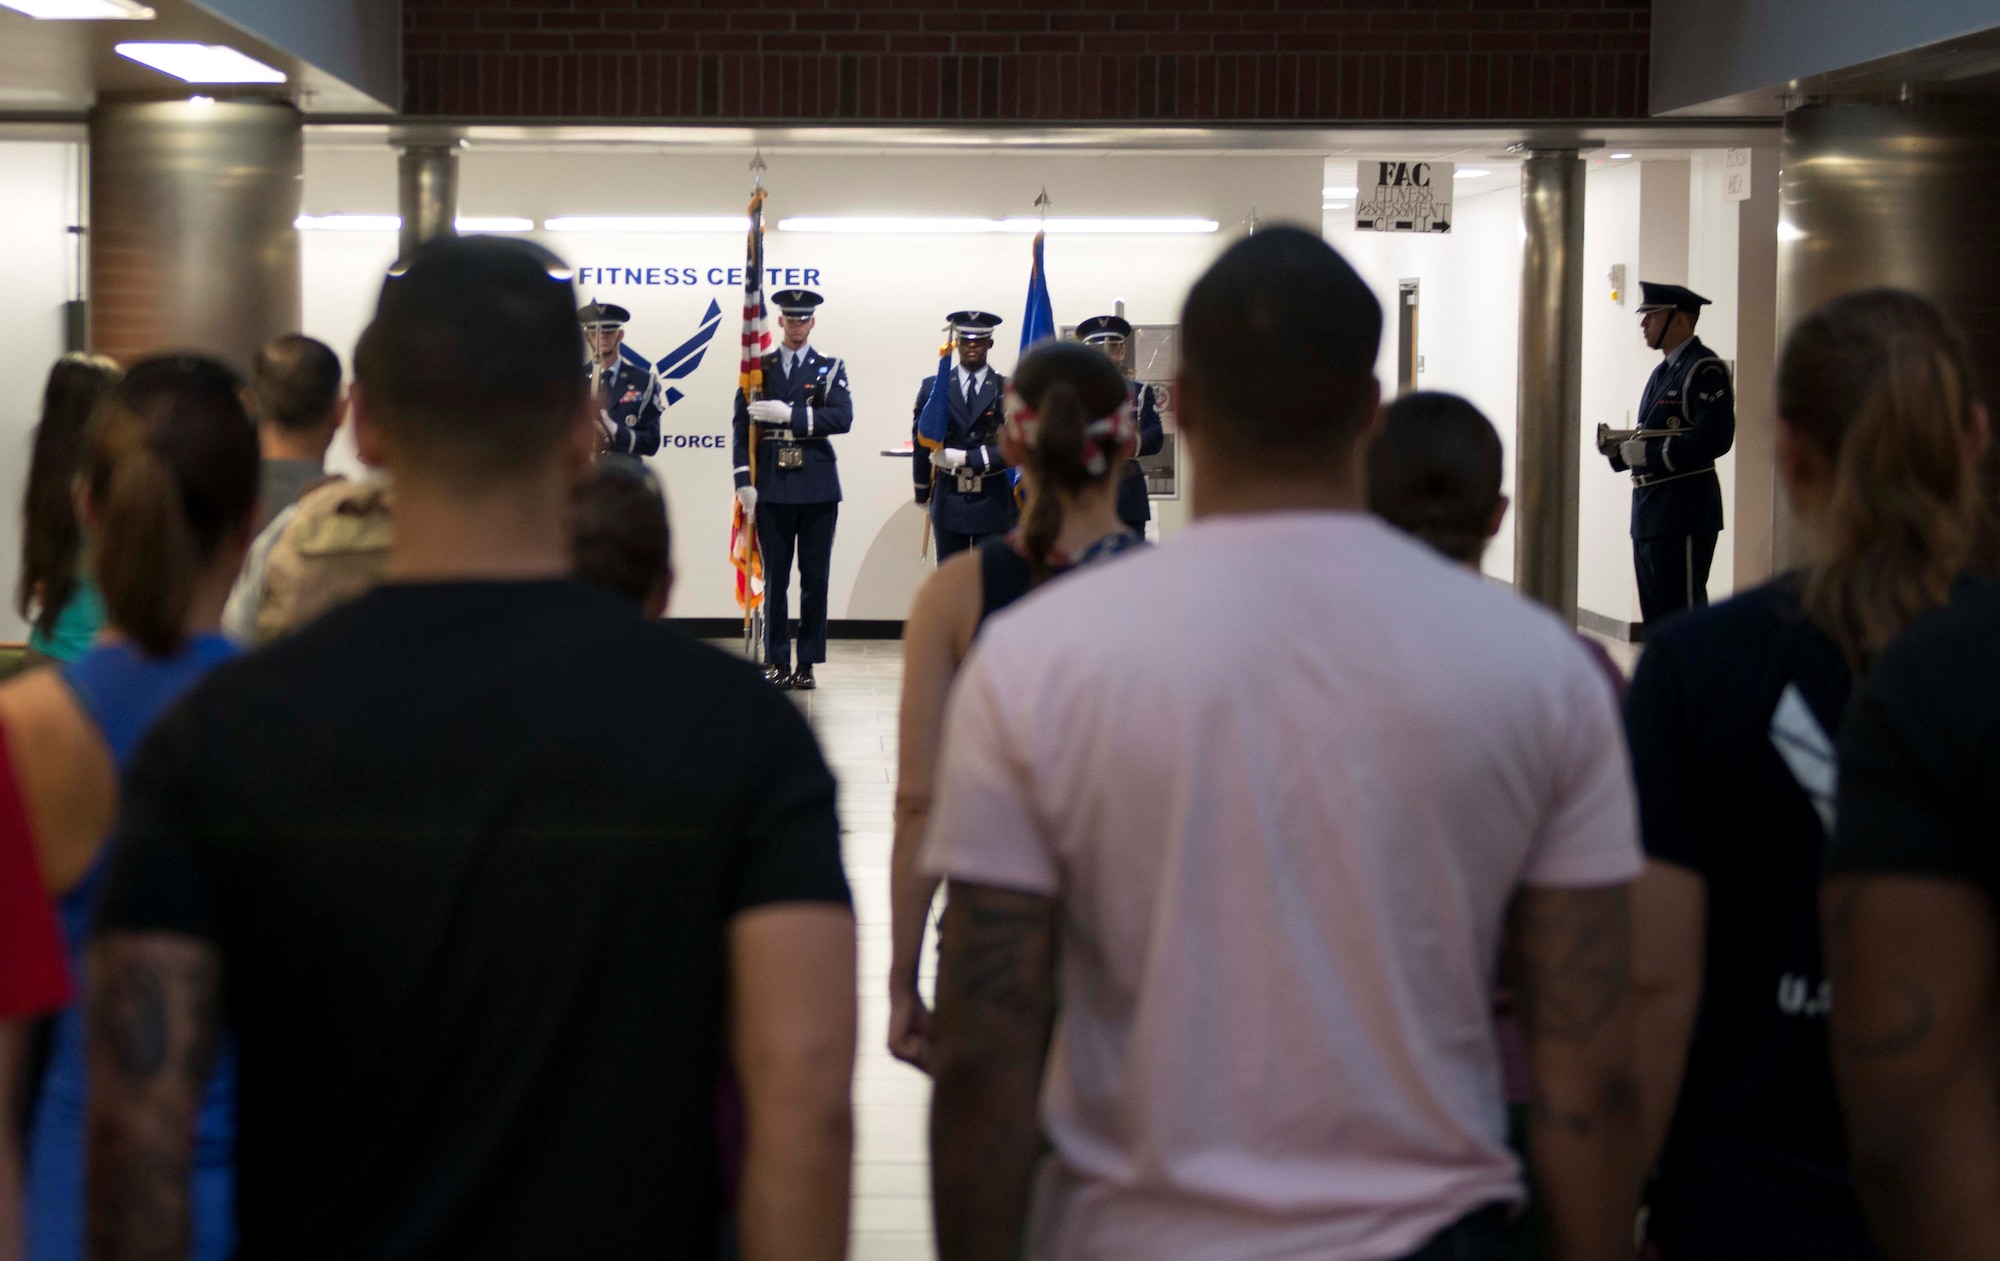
[[1892, 194], [427, 193], [192, 237], [1548, 443]]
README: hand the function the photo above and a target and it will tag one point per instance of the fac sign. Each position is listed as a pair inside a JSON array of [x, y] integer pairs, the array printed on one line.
[[1403, 197]]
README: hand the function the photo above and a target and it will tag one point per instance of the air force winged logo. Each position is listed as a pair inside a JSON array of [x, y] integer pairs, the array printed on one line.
[[683, 359]]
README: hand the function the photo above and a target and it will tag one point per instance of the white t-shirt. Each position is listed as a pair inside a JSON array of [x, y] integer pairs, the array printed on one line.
[[1285, 773]]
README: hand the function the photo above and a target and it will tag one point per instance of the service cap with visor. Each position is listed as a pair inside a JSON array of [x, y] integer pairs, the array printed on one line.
[[1659, 297], [973, 326], [1103, 330]]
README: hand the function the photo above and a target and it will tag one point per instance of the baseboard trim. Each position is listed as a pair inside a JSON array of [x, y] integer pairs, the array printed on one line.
[[836, 628], [1611, 627]]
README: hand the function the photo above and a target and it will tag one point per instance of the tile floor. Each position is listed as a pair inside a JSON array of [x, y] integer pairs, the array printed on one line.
[[854, 714]]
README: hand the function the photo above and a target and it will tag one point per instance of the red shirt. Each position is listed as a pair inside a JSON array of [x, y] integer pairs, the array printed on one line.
[[33, 977]]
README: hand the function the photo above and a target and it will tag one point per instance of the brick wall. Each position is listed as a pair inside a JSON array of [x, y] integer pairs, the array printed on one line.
[[1002, 60]]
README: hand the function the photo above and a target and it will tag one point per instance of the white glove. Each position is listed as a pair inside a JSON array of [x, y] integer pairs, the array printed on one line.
[[606, 425], [1633, 452], [769, 411], [747, 496], [948, 458]]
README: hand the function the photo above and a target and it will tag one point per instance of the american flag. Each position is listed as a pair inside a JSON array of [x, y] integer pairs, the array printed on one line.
[[756, 336], [744, 553]]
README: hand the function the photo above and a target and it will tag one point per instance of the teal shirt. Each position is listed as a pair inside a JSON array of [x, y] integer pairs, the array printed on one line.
[[76, 625]]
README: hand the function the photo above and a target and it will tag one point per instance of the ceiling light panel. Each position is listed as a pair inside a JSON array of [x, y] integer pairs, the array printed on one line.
[[647, 223], [348, 223], [394, 223], [80, 10], [202, 63], [950, 226]]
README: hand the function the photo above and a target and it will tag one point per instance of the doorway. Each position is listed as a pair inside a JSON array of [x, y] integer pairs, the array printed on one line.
[[1408, 362]]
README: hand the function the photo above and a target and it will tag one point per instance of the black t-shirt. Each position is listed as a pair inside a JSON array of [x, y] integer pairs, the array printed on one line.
[[1730, 718], [1920, 757], [469, 852]]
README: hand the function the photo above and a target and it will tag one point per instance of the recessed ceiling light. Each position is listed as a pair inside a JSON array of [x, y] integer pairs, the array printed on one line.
[[1470, 173], [80, 10], [202, 63], [495, 223], [1620, 157], [647, 223], [1334, 190]]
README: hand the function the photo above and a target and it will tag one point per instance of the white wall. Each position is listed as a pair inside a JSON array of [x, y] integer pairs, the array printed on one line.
[[1712, 272], [886, 296], [1469, 307], [38, 197], [1660, 222], [1616, 363]]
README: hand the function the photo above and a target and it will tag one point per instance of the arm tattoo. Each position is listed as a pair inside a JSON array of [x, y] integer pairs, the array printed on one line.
[[996, 1007], [1902, 1013], [154, 1009], [1007, 956], [1572, 961], [129, 1015]]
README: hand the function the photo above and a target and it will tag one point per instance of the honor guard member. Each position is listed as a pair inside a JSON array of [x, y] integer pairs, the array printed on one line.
[[1113, 336], [795, 499], [965, 482], [624, 385], [1687, 421]]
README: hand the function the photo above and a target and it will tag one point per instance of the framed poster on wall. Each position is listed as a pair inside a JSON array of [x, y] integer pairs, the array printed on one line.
[[1154, 358]]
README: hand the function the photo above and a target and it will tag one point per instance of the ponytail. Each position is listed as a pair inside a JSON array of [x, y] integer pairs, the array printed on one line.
[[146, 562], [51, 538], [1880, 382], [170, 471], [1056, 459], [1063, 390]]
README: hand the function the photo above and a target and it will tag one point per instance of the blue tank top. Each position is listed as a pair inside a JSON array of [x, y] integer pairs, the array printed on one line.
[[123, 691]]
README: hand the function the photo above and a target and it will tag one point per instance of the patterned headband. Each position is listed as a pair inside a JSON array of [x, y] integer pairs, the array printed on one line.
[[1115, 436]]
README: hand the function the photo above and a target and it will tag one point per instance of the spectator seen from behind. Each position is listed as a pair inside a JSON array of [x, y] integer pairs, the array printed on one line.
[[1732, 719], [295, 396], [1282, 818], [168, 488], [1071, 432], [1909, 908], [493, 877], [33, 983], [621, 537], [56, 592]]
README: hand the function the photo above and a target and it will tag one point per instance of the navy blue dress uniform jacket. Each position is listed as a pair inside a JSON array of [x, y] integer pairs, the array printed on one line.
[[1135, 507], [821, 408], [632, 402], [1692, 404], [974, 429]]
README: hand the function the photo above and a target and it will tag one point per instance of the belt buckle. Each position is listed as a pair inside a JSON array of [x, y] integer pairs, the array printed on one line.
[[791, 456], [969, 483]]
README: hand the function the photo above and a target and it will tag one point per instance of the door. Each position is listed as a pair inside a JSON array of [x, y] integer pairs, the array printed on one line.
[[1406, 338]]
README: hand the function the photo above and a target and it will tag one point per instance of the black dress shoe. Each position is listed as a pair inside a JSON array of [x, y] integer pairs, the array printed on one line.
[[778, 676], [802, 679]]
